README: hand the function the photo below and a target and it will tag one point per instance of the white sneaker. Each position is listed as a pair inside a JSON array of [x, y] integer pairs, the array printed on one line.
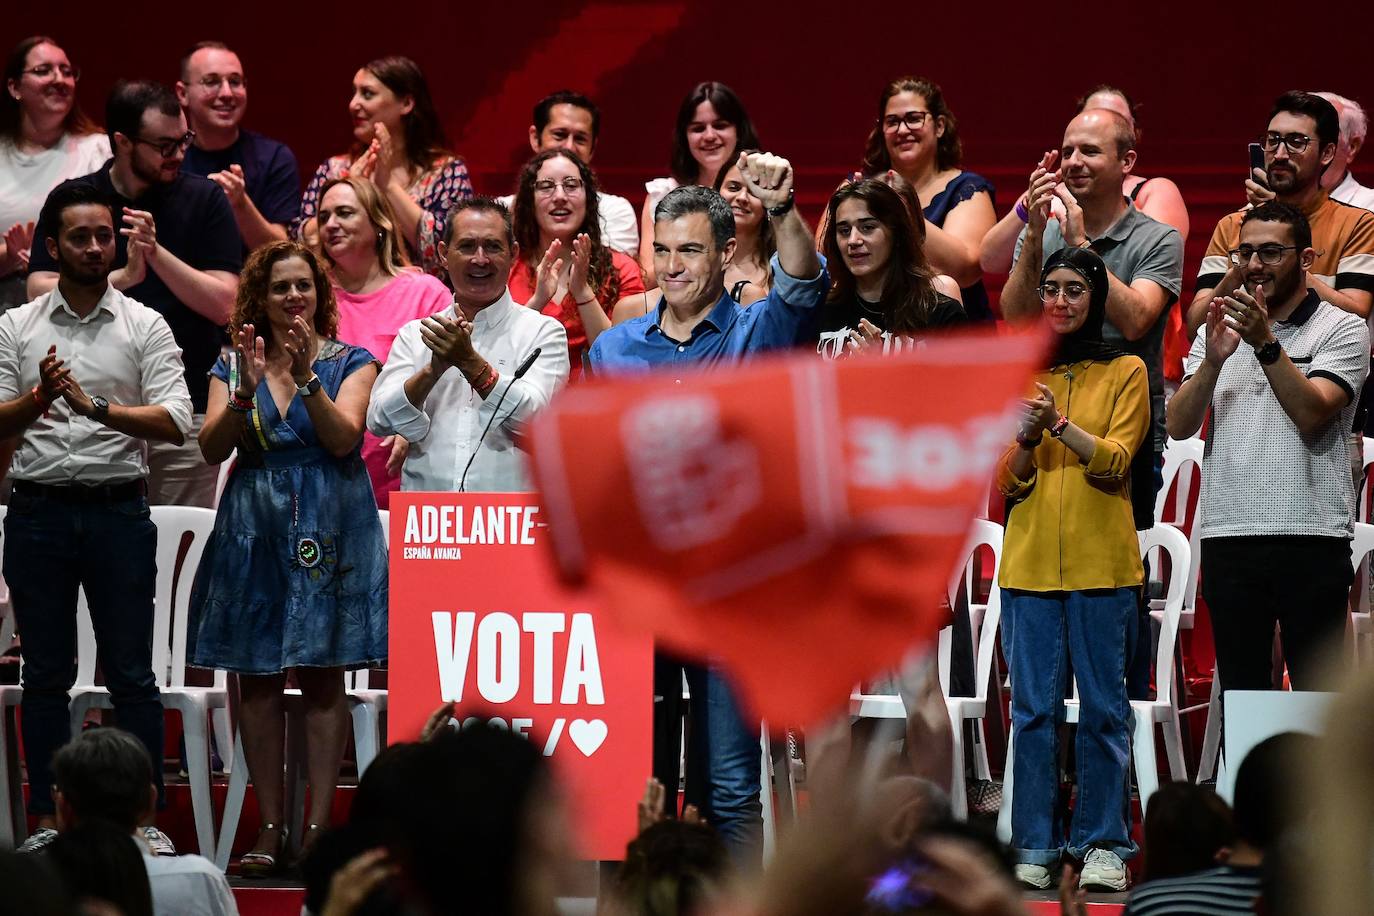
[[1103, 870], [39, 840], [159, 843], [1036, 876]]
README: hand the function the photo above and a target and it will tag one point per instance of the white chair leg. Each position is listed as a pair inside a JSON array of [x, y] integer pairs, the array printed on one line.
[[1004, 813], [233, 806], [224, 736], [981, 769], [366, 735], [194, 719], [7, 809], [1211, 736], [958, 788], [770, 830], [1173, 747], [1143, 753]]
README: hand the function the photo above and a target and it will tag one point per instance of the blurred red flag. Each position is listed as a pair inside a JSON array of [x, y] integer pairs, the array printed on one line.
[[794, 519]]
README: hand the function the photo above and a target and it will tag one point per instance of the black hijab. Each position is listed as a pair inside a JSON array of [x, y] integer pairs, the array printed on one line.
[[1086, 343]]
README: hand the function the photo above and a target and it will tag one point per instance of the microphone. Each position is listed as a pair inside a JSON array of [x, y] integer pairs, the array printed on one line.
[[519, 373]]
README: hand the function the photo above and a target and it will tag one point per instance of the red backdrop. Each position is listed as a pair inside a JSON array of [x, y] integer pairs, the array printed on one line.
[[809, 74]]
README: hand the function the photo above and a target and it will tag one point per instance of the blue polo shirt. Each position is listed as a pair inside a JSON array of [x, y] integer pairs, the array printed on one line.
[[271, 178], [727, 334]]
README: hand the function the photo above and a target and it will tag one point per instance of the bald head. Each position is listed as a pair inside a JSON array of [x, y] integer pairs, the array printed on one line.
[[1108, 123]]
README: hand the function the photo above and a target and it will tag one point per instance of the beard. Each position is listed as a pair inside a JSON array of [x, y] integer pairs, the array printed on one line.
[[150, 174], [81, 272], [1290, 180]]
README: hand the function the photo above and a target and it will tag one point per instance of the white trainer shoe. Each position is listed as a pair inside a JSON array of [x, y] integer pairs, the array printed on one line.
[[1103, 870], [1036, 876]]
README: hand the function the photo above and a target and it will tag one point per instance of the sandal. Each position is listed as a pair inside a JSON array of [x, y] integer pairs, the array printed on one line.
[[309, 837], [259, 863]]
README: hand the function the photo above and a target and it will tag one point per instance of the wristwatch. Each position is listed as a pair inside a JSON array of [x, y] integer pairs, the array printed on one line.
[[782, 208], [101, 408], [1057, 429], [309, 387], [1269, 353]]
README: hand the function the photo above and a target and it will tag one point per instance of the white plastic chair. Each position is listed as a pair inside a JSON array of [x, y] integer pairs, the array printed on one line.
[[366, 706], [197, 705], [1363, 496], [984, 621], [1179, 454], [1146, 714], [1360, 622]]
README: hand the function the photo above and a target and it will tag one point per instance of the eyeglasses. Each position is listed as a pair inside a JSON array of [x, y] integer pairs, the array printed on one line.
[[1296, 143], [914, 120], [212, 82], [169, 148], [1269, 255], [1072, 292], [43, 71], [545, 187]]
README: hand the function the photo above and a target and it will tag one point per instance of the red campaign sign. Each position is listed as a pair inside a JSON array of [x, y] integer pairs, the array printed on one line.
[[479, 617], [793, 518]]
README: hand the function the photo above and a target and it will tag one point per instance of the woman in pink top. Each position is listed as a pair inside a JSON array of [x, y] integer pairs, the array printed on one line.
[[564, 270], [377, 291]]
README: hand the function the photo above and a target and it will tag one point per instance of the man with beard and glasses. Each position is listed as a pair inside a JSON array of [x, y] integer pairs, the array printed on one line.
[[177, 250], [259, 175], [1277, 497], [87, 375]]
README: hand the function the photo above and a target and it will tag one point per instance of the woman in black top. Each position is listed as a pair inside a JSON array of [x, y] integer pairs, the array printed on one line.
[[883, 295]]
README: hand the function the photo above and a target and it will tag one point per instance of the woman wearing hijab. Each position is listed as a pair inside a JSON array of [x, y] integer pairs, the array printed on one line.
[[1070, 579]]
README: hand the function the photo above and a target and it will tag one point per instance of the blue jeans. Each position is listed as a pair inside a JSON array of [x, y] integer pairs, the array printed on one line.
[[110, 550], [723, 761], [1095, 631]]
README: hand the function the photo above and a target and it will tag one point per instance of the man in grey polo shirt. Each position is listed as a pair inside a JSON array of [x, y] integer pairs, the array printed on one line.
[[1144, 259], [1277, 497]]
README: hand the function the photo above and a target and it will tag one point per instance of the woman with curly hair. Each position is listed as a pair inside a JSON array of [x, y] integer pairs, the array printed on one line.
[[884, 294], [294, 576], [576, 278], [917, 136]]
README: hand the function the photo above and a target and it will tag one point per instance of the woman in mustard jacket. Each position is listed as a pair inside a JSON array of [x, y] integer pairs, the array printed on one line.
[[1070, 579]]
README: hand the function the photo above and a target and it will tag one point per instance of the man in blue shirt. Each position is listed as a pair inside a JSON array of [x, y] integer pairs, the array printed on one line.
[[696, 322], [259, 175]]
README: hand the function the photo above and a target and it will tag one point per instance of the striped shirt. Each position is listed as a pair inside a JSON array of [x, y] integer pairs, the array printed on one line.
[[1215, 892], [1342, 236]]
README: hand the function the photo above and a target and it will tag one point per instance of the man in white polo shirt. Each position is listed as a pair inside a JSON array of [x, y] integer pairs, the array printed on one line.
[[1281, 370], [88, 376]]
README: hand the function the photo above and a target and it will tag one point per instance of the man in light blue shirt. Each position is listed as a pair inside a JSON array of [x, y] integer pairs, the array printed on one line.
[[697, 323]]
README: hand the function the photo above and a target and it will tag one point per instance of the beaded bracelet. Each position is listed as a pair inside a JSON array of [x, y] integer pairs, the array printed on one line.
[[238, 405]]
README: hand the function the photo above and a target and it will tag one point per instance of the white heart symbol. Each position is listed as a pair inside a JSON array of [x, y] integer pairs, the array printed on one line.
[[587, 735]]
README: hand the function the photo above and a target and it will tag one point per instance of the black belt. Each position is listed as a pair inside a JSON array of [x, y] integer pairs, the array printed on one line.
[[83, 494]]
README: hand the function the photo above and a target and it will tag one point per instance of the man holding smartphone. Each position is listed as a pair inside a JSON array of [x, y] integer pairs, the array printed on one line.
[[1280, 368]]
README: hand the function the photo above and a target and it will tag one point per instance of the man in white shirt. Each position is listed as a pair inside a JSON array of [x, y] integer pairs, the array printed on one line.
[[1338, 180], [569, 120], [105, 774], [88, 376], [459, 384]]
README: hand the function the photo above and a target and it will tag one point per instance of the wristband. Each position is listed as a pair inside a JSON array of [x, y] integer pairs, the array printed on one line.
[[587, 302], [1021, 212], [488, 383], [43, 400], [1057, 429], [782, 208], [239, 406]]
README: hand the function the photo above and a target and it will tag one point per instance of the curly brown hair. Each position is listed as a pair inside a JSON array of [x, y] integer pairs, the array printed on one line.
[[601, 272], [250, 303], [948, 150]]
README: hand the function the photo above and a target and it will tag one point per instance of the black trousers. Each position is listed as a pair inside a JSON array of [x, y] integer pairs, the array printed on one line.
[[1250, 583]]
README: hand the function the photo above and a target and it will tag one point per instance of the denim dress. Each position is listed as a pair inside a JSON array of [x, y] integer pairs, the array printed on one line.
[[295, 574]]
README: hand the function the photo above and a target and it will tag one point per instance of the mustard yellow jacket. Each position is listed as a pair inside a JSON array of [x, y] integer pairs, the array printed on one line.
[[1072, 527]]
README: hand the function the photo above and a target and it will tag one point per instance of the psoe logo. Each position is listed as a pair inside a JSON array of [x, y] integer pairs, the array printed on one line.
[[885, 455]]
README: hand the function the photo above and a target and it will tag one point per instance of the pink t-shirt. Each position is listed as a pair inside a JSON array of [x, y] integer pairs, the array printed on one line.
[[372, 321]]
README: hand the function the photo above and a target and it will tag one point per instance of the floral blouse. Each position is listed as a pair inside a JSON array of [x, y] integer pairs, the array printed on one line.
[[435, 190]]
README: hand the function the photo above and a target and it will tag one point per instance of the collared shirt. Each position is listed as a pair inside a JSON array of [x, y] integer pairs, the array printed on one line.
[[1260, 474], [726, 335], [195, 223], [187, 885], [445, 432], [271, 177], [619, 222], [1350, 191], [122, 351], [1136, 247]]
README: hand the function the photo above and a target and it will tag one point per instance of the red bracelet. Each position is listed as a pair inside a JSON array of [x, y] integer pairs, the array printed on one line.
[[43, 400], [489, 382], [1057, 429]]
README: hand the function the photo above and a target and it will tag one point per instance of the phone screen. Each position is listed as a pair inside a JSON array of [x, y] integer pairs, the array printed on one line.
[[1257, 161]]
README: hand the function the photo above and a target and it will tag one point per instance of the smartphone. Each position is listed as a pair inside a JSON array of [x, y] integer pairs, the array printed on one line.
[[1257, 162]]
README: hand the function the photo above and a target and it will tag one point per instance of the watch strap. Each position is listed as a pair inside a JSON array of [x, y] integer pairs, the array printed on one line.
[[1057, 429], [309, 388], [782, 208], [1269, 353]]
